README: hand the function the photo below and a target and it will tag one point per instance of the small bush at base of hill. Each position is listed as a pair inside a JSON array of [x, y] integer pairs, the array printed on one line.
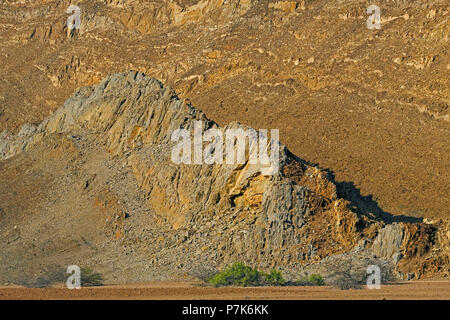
[[346, 280], [90, 278], [316, 279], [274, 278], [55, 274], [312, 280], [238, 274]]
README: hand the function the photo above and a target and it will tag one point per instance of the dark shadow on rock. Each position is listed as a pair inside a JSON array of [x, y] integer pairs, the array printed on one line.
[[361, 205], [366, 205]]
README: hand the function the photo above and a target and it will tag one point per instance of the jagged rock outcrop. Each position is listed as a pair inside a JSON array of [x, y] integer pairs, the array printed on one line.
[[220, 213], [370, 105], [388, 241]]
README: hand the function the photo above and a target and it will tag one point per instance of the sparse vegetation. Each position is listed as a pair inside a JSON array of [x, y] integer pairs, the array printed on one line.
[[238, 274], [90, 278], [316, 279], [50, 276], [202, 273], [345, 278], [54, 274], [274, 278], [312, 280]]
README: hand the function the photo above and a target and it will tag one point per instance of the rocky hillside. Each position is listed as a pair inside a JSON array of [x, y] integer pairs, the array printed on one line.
[[369, 105], [94, 185]]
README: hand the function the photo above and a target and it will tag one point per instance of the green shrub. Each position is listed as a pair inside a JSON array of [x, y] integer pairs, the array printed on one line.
[[89, 278], [274, 278], [238, 274], [312, 280], [303, 281], [316, 279]]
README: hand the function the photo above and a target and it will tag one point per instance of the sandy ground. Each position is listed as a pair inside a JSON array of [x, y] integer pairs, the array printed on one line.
[[186, 290]]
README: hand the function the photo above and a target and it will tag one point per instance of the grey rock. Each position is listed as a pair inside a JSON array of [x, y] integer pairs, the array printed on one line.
[[388, 241]]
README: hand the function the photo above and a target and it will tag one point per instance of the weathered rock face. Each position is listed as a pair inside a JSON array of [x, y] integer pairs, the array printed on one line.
[[370, 105], [220, 213], [388, 241]]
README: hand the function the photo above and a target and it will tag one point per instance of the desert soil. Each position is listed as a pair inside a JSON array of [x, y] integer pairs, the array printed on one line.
[[190, 290]]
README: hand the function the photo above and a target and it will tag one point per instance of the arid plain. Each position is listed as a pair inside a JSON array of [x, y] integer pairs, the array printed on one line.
[[85, 179]]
